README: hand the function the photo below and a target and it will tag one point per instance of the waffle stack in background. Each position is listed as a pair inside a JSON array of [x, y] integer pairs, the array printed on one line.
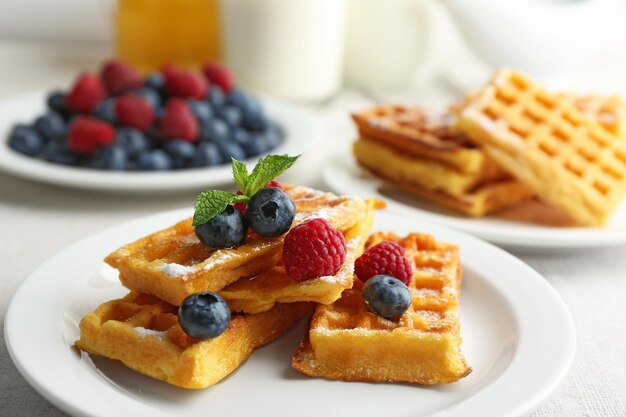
[[420, 152], [501, 145], [161, 269]]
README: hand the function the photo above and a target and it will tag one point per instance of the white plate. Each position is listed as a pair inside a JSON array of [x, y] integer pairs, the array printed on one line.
[[299, 127], [518, 337], [512, 227]]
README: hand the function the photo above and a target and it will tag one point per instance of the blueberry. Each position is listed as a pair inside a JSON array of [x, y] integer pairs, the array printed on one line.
[[58, 152], [155, 81], [270, 212], [207, 154], [238, 99], [231, 115], [181, 151], [215, 131], [216, 97], [111, 157], [201, 110], [230, 150], [273, 138], [26, 140], [386, 296], [256, 145], [56, 102], [51, 126], [156, 160], [204, 315], [151, 95], [105, 110], [226, 230], [254, 119], [132, 141]]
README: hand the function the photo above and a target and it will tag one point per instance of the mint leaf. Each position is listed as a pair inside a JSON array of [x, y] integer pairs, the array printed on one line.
[[240, 174], [211, 203], [266, 170]]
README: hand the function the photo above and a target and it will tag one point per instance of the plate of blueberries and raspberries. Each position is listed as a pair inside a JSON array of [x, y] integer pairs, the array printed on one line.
[[173, 129]]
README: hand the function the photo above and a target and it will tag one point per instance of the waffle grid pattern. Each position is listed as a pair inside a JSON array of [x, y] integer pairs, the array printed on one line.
[[527, 129]]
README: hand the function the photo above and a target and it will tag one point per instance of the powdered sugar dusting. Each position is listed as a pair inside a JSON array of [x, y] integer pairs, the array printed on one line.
[[173, 270], [143, 332]]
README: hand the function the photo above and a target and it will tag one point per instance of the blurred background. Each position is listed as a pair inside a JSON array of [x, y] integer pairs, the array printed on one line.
[[310, 50]]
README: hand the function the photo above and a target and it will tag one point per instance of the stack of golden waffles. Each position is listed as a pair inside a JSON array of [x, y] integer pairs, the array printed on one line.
[[419, 152], [161, 269], [503, 144]]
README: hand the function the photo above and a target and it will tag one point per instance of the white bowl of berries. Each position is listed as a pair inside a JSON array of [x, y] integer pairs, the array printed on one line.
[[174, 129]]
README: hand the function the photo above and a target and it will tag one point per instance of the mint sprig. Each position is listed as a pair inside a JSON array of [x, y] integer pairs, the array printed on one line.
[[212, 202]]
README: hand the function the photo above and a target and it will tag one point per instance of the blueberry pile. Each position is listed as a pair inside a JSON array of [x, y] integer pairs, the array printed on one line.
[[228, 123]]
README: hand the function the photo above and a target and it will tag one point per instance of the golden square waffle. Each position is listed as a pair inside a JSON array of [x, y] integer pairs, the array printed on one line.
[[143, 333], [347, 342], [416, 132], [262, 292], [471, 194], [546, 142], [172, 263]]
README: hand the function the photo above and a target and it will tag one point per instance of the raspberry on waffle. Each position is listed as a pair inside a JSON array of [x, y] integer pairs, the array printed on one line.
[[346, 341], [143, 333], [172, 263]]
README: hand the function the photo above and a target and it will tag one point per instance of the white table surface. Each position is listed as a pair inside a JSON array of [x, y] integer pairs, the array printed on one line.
[[38, 220]]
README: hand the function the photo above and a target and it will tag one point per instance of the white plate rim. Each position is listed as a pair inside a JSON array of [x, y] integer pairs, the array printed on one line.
[[533, 237], [299, 126], [558, 353]]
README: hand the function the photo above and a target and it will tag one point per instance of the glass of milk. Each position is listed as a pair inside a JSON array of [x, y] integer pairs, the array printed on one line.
[[288, 48]]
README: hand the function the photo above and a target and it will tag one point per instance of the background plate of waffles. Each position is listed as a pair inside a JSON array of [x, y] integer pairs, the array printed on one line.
[[516, 331], [298, 126], [512, 163]]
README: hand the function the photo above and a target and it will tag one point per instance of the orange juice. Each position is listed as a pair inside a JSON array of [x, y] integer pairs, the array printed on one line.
[[151, 33]]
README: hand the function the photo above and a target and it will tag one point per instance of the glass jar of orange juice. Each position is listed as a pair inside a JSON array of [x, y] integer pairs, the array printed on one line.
[[151, 33]]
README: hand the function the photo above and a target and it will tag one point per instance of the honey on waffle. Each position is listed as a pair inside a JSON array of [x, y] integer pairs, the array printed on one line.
[[420, 153], [262, 292], [546, 142], [172, 263], [348, 342], [143, 333]]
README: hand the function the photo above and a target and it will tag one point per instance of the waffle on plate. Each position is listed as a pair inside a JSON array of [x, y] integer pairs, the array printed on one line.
[[143, 333], [172, 263], [419, 152], [546, 142], [348, 342]]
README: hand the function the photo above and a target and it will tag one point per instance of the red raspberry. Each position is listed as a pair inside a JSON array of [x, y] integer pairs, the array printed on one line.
[[119, 77], [178, 121], [185, 84], [134, 111], [85, 94], [87, 134], [218, 74], [313, 249], [241, 206], [384, 258]]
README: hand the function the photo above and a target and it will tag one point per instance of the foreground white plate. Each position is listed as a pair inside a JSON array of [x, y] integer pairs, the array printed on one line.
[[512, 227], [298, 125], [518, 338]]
